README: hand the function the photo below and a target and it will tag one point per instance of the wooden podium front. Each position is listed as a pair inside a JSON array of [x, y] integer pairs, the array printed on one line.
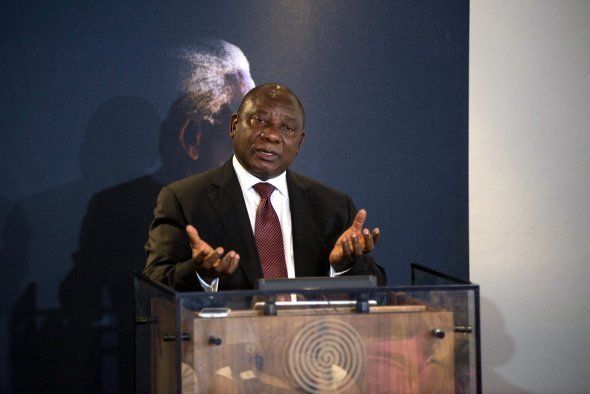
[[316, 349]]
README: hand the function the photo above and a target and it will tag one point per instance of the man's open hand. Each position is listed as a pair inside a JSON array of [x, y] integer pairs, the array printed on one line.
[[211, 263], [355, 241]]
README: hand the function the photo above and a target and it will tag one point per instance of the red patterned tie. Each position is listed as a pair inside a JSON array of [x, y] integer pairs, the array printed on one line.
[[269, 238]]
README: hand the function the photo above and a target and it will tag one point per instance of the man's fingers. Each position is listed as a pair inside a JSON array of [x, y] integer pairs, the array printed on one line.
[[228, 264], [216, 257], [376, 234], [355, 241], [199, 255], [369, 244], [213, 259], [235, 261], [346, 248], [356, 245], [359, 220]]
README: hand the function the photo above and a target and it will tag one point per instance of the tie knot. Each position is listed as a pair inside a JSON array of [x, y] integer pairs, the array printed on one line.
[[264, 189]]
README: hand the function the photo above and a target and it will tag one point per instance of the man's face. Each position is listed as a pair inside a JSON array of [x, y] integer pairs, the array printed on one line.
[[203, 143], [268, 132]]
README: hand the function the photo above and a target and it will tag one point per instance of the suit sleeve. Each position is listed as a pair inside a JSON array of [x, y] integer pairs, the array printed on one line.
[[366, 264], [169, 257]]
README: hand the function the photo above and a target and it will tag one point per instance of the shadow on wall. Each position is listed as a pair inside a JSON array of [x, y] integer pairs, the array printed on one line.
[[119, 143], [87, 345], [13, 227], [492, 321]]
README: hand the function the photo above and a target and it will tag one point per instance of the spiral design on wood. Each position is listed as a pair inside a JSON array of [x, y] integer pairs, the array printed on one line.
[[326, 355]]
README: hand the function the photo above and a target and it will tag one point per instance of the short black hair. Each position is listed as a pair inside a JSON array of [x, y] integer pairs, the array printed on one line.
[[252, 92]]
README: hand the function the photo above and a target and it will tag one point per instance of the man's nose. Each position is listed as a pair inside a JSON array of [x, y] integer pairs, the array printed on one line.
[[270, 133]]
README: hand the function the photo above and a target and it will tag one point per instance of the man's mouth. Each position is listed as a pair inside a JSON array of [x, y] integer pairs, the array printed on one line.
[[266, 154]]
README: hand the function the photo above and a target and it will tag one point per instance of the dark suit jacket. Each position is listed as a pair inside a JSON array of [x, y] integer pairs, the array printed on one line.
[[213, 203]]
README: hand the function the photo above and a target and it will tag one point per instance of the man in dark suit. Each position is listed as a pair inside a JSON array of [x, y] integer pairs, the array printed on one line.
[[321, 230]]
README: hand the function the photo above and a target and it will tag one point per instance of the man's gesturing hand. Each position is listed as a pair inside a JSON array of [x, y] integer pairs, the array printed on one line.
[[211, 263], [354, 241]]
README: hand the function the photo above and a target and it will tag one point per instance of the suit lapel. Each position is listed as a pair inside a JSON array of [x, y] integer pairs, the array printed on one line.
[[304, 211], [226, 199]]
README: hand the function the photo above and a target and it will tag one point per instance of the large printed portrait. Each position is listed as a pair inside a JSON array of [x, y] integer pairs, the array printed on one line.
[[104, 104]]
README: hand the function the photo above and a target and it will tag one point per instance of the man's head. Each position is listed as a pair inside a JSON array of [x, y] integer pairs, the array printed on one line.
[[191, 143], [214, 76], [267, 131], [217, 69]]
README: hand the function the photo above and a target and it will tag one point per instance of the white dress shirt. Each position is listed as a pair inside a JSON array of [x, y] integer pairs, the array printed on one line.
[[280, 202]]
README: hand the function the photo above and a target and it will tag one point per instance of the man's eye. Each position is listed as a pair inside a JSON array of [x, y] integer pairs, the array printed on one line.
[[289, 129], [258, 120]]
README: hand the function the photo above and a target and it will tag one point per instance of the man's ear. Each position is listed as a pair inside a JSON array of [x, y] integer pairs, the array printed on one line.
[[190, 140], [233, 124], [301, 141]]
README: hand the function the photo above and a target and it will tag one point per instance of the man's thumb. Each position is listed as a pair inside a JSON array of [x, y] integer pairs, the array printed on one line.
[[359, 220], [193, 235]]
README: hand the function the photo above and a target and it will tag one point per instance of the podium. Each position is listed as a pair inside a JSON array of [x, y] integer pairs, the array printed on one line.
[[412, 339]]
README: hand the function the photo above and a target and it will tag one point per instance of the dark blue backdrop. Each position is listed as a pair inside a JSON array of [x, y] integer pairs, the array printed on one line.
[[85, 87]]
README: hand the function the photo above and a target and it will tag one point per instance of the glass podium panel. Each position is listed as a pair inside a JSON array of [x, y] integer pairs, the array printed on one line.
[[414, 339]]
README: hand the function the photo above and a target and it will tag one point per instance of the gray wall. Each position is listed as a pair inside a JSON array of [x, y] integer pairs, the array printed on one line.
[[529, 164]]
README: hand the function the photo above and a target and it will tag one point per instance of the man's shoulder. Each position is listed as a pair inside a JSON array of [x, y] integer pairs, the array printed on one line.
[[313, 185], [197, 182]]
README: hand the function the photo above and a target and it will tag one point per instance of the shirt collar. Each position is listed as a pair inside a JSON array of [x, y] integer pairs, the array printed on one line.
[[248, 180]]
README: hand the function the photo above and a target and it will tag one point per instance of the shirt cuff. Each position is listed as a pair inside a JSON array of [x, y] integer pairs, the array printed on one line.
[[209, 288], [334, 274]]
